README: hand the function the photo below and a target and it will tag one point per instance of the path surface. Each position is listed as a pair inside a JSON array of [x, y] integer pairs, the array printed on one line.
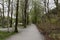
[[30, 33]]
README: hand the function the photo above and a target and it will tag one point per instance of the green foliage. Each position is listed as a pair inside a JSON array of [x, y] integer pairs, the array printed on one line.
[[55, 36], [4, 35], [36, 11], [51, 23]]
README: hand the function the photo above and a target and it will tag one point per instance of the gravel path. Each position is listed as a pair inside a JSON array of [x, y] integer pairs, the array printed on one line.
[[29, 33]]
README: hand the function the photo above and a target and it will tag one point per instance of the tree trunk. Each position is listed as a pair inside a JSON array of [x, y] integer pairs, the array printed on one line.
[[11, 13], [16, 30], [8, 14], [25, 13], [48, 11], [3, 16], [56, 3], [45, 5]]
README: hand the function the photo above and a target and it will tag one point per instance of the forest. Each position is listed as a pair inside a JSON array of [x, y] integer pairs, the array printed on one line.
[[27, 19]]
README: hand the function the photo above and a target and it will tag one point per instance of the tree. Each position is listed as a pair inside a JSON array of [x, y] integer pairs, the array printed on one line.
[[3, 15], [0, 17], [45, 6], [8, 14], [16, 22], [56, 2], [25, 13], [22, 10], [36, 11], [48, 10], [11, 13]]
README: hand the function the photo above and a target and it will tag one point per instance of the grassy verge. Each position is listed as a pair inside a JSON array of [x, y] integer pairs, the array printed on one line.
[[4, 35]]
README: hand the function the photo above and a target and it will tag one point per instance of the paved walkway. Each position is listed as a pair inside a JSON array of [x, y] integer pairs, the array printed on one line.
[[30, 33]]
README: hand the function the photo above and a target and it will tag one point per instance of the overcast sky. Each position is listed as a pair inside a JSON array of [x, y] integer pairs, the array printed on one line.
[[51, 5]]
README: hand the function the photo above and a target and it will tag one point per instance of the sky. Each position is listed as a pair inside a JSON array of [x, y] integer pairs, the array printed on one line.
[[51, 5]]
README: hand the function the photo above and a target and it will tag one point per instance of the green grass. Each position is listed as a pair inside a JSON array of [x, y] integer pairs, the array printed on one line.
[[4, 35]]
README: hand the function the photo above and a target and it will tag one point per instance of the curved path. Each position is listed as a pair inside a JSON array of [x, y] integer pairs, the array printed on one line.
[[29, 33]]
